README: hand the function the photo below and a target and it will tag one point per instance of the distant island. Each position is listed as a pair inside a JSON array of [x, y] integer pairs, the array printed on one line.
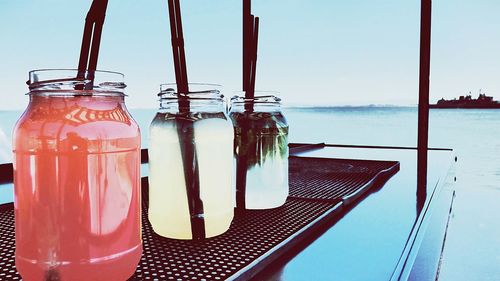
[[483, 101]]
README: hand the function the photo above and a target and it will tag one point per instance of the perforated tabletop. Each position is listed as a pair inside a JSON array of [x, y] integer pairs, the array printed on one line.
[[319, 188]]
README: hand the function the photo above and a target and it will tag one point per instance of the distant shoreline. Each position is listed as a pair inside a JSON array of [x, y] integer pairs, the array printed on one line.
[[320, 107], [284, 106], [351, 106]]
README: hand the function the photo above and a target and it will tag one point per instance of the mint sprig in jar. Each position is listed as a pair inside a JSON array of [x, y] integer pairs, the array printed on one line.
[[261, 151]]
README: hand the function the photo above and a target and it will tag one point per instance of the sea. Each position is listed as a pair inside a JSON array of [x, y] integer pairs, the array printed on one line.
[[474, 135]]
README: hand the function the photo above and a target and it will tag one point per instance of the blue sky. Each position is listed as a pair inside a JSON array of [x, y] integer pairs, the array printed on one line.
[[313, 52]]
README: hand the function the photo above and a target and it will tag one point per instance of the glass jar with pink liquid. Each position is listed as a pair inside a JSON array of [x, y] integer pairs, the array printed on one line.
[[77, 179]]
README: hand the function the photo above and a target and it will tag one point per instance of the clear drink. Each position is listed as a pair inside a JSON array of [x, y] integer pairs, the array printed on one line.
[[77, 183], [261, 150]]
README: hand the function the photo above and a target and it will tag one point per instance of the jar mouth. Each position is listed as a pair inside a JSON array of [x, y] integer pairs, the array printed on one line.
[[260, 97], [197, 91], [73, 82]]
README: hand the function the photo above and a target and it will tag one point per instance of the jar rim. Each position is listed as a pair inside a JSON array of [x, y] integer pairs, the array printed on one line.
[[73, 69], [260, 97], [72, 82], [259, 93], [174, 85], [197, 91]]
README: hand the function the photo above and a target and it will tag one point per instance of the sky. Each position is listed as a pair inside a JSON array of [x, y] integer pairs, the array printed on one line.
[[314, 52]]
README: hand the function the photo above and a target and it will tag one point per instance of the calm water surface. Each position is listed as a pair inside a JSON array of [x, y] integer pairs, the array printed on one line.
[[473, 134], [472, 246]]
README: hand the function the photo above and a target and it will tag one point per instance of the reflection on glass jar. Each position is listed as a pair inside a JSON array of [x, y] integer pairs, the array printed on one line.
[[261, 150], [77, 180], [191, 164]]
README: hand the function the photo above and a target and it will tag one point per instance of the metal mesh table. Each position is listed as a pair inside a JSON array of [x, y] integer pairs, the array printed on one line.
[[319, 189]]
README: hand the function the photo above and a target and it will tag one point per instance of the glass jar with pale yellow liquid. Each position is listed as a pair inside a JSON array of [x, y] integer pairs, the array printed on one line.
[[191, 164]]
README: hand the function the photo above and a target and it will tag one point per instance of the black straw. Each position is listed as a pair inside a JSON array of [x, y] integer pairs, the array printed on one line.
[[175, 49], [250, 45], [255, 42], [246, 31], [185, 125], [179, 54], [182, 54], [91, 41]]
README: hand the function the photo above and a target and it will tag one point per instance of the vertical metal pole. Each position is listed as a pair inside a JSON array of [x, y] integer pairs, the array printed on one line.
[[423, 102]]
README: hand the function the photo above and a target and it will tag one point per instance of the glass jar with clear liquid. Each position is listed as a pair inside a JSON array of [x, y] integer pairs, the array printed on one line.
[[261, 150], [191, 164], [77, 180]]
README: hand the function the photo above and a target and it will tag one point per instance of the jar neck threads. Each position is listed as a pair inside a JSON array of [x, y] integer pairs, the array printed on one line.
[[200, 98], [65, 82], [263, 102]]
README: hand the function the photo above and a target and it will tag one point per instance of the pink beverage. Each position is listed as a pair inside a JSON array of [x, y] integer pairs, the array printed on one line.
[[77, 180]]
